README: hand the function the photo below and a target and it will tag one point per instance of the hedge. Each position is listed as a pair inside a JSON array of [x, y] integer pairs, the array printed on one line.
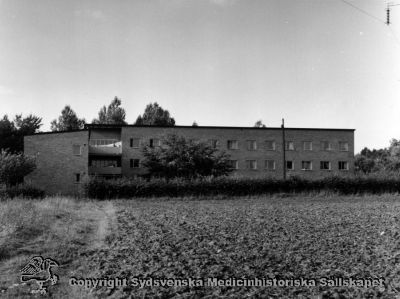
[[129, 188], [25, 191]]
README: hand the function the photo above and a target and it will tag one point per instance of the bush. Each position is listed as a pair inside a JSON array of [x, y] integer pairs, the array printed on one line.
[[25, 191], [126, 188], [13, 167]]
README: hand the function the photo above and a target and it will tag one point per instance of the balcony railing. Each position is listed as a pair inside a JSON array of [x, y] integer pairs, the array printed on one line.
[[104, 142], [105, 147], [105, 170]]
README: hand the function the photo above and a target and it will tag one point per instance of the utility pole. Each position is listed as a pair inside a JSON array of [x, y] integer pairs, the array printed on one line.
[[284, 148], [389, 5]]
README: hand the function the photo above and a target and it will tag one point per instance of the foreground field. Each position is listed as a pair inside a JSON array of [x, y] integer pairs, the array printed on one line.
[[286, 238]]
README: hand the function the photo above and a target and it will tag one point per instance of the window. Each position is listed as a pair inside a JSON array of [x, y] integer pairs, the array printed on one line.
[[307, 146], [77, 150], [270, 164], [343, 165], [134, 163], [343, 146], [306, 165], [289, 165], [213, 143], [325, 165], [251, 145], [233, 144], [289, 146], [251, 164], [270, 145], [77, 177], [154, 142], [234, 164], [135, 142], [326, 146]]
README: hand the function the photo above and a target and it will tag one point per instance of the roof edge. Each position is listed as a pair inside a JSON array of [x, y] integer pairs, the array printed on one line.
[[96, 126], [57, 132], [111, 126]]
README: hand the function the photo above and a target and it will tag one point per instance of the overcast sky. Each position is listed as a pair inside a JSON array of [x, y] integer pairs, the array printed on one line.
[[317, 63]]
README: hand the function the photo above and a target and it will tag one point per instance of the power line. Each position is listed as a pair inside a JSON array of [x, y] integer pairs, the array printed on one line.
[[363, 11], [394, 35]]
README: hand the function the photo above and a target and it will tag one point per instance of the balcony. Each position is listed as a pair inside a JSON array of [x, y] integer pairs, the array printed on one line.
[[93, 170], [105, 147]]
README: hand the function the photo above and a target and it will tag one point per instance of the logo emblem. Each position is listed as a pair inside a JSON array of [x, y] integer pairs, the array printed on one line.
[[40, 270]]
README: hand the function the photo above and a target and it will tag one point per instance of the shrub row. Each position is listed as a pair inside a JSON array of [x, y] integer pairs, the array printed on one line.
[[25, 191], [126, 188]]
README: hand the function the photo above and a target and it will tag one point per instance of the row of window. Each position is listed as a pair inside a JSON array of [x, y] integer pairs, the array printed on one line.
[[305, 165], [253, 146], [133, 163], [104, 163], [289, 145], [271, 165]]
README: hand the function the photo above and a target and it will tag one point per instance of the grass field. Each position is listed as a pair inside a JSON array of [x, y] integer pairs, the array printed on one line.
[[263, 237]]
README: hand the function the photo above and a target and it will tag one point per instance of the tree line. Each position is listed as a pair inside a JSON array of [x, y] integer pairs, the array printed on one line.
[[114, 114], [386, 160], [12, 131]]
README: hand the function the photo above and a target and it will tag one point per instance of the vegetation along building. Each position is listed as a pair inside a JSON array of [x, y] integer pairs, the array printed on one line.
[[65, 159]]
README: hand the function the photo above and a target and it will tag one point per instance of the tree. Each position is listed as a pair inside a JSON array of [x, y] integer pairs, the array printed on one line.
[[12, 132], [155, 115], [13, 167], [364, 164], [7, 133], [113, 114], [178, 157], [27, 125], [368, 161], [194, 124], [259, 124], [67, 121], [394, 148]]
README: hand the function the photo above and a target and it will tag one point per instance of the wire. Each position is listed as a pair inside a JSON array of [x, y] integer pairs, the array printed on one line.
[[363, 11], [394, 35]]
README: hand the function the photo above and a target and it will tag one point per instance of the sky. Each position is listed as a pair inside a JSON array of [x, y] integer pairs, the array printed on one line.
[[316, 63]]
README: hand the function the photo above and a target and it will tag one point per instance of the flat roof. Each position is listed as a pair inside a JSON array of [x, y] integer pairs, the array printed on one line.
[[100, 126], [57, 132]]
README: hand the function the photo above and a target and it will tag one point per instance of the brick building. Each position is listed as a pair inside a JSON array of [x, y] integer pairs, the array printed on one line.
[[65, 159]]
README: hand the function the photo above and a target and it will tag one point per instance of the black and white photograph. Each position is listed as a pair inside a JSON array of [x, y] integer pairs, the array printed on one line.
[[200, 149]]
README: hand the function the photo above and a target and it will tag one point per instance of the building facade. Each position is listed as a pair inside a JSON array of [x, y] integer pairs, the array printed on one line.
[[66, 159]]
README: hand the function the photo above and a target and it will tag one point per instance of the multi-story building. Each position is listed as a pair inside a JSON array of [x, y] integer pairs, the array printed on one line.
[[65, 159]]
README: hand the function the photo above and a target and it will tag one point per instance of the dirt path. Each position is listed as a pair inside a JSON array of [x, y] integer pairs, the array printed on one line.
[[94, 253], [106, 225]]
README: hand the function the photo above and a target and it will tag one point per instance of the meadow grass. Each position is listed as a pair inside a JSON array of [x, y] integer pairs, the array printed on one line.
[[56, 227]]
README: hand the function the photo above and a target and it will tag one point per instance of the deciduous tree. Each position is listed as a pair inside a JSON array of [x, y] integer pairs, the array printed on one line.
[[259, 124], [113, 114], [155, 115], [67, 121], [12, 132], [13, 167], [178, 157]]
